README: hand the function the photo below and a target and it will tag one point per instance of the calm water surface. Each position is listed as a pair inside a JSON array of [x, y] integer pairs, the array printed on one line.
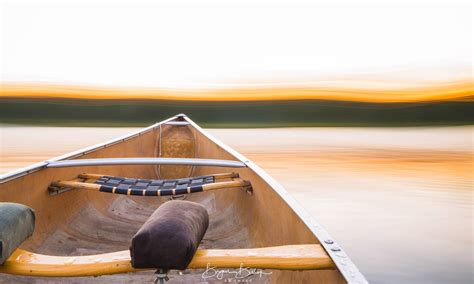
[[399, 200]]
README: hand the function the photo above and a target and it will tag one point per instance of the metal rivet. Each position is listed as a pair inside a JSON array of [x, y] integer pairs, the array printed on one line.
[[336, 249], [329, 242]]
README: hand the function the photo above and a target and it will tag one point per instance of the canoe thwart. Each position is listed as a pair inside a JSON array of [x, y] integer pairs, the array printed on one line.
[[151, 187], [145, 161], [289, 257]]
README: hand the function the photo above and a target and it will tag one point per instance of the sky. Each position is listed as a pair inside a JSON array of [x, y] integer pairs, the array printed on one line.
[[184, 44]]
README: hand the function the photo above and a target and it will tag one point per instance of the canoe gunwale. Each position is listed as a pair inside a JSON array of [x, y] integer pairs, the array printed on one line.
[[348, 269]]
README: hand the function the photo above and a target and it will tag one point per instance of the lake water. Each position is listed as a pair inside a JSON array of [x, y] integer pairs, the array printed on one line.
[[399, 200]]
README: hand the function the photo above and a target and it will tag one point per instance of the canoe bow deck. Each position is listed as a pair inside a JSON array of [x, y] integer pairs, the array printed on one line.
[[267, 229]]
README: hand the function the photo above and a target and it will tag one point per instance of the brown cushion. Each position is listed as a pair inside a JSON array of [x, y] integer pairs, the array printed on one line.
[[170, 237]]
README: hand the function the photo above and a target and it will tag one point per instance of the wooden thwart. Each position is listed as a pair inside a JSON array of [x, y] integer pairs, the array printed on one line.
[[205, 187], [290, 257]]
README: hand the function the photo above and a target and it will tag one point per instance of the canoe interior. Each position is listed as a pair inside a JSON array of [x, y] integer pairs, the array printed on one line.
[[82, 222]]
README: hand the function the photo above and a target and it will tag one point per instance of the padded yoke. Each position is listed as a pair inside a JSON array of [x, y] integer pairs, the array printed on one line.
[[17, 223], [170, 237]]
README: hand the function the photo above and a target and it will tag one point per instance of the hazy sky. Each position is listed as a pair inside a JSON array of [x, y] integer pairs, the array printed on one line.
[[178, 43]]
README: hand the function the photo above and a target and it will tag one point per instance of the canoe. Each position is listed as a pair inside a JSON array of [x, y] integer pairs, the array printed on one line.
[[91, 205]]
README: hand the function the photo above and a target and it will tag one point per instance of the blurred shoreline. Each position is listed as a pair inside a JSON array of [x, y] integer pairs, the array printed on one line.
[[299, 104], [238, 114]]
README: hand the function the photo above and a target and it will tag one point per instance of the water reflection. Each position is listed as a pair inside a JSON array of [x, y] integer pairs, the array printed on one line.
[[399, 200]]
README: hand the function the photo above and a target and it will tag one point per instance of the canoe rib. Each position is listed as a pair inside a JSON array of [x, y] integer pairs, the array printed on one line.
[[290, 257]]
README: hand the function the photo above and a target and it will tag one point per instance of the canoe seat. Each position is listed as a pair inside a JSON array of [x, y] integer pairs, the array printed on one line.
[[170, 237], [151, 187], [17, 223]]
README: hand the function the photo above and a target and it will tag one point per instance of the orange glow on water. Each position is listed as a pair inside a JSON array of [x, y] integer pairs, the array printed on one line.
[[459, 90]]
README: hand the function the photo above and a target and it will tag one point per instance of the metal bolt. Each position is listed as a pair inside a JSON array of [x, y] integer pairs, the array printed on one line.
[[329, 242], [336, 249]]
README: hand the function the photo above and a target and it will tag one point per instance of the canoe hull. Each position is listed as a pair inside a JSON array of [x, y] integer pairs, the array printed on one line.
[[82, 222]]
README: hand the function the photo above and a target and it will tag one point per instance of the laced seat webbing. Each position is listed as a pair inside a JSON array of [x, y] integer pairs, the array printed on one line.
[[151, 187]]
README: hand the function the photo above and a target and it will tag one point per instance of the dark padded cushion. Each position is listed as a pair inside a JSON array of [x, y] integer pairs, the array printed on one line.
[[170, 237], [17, 223]]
